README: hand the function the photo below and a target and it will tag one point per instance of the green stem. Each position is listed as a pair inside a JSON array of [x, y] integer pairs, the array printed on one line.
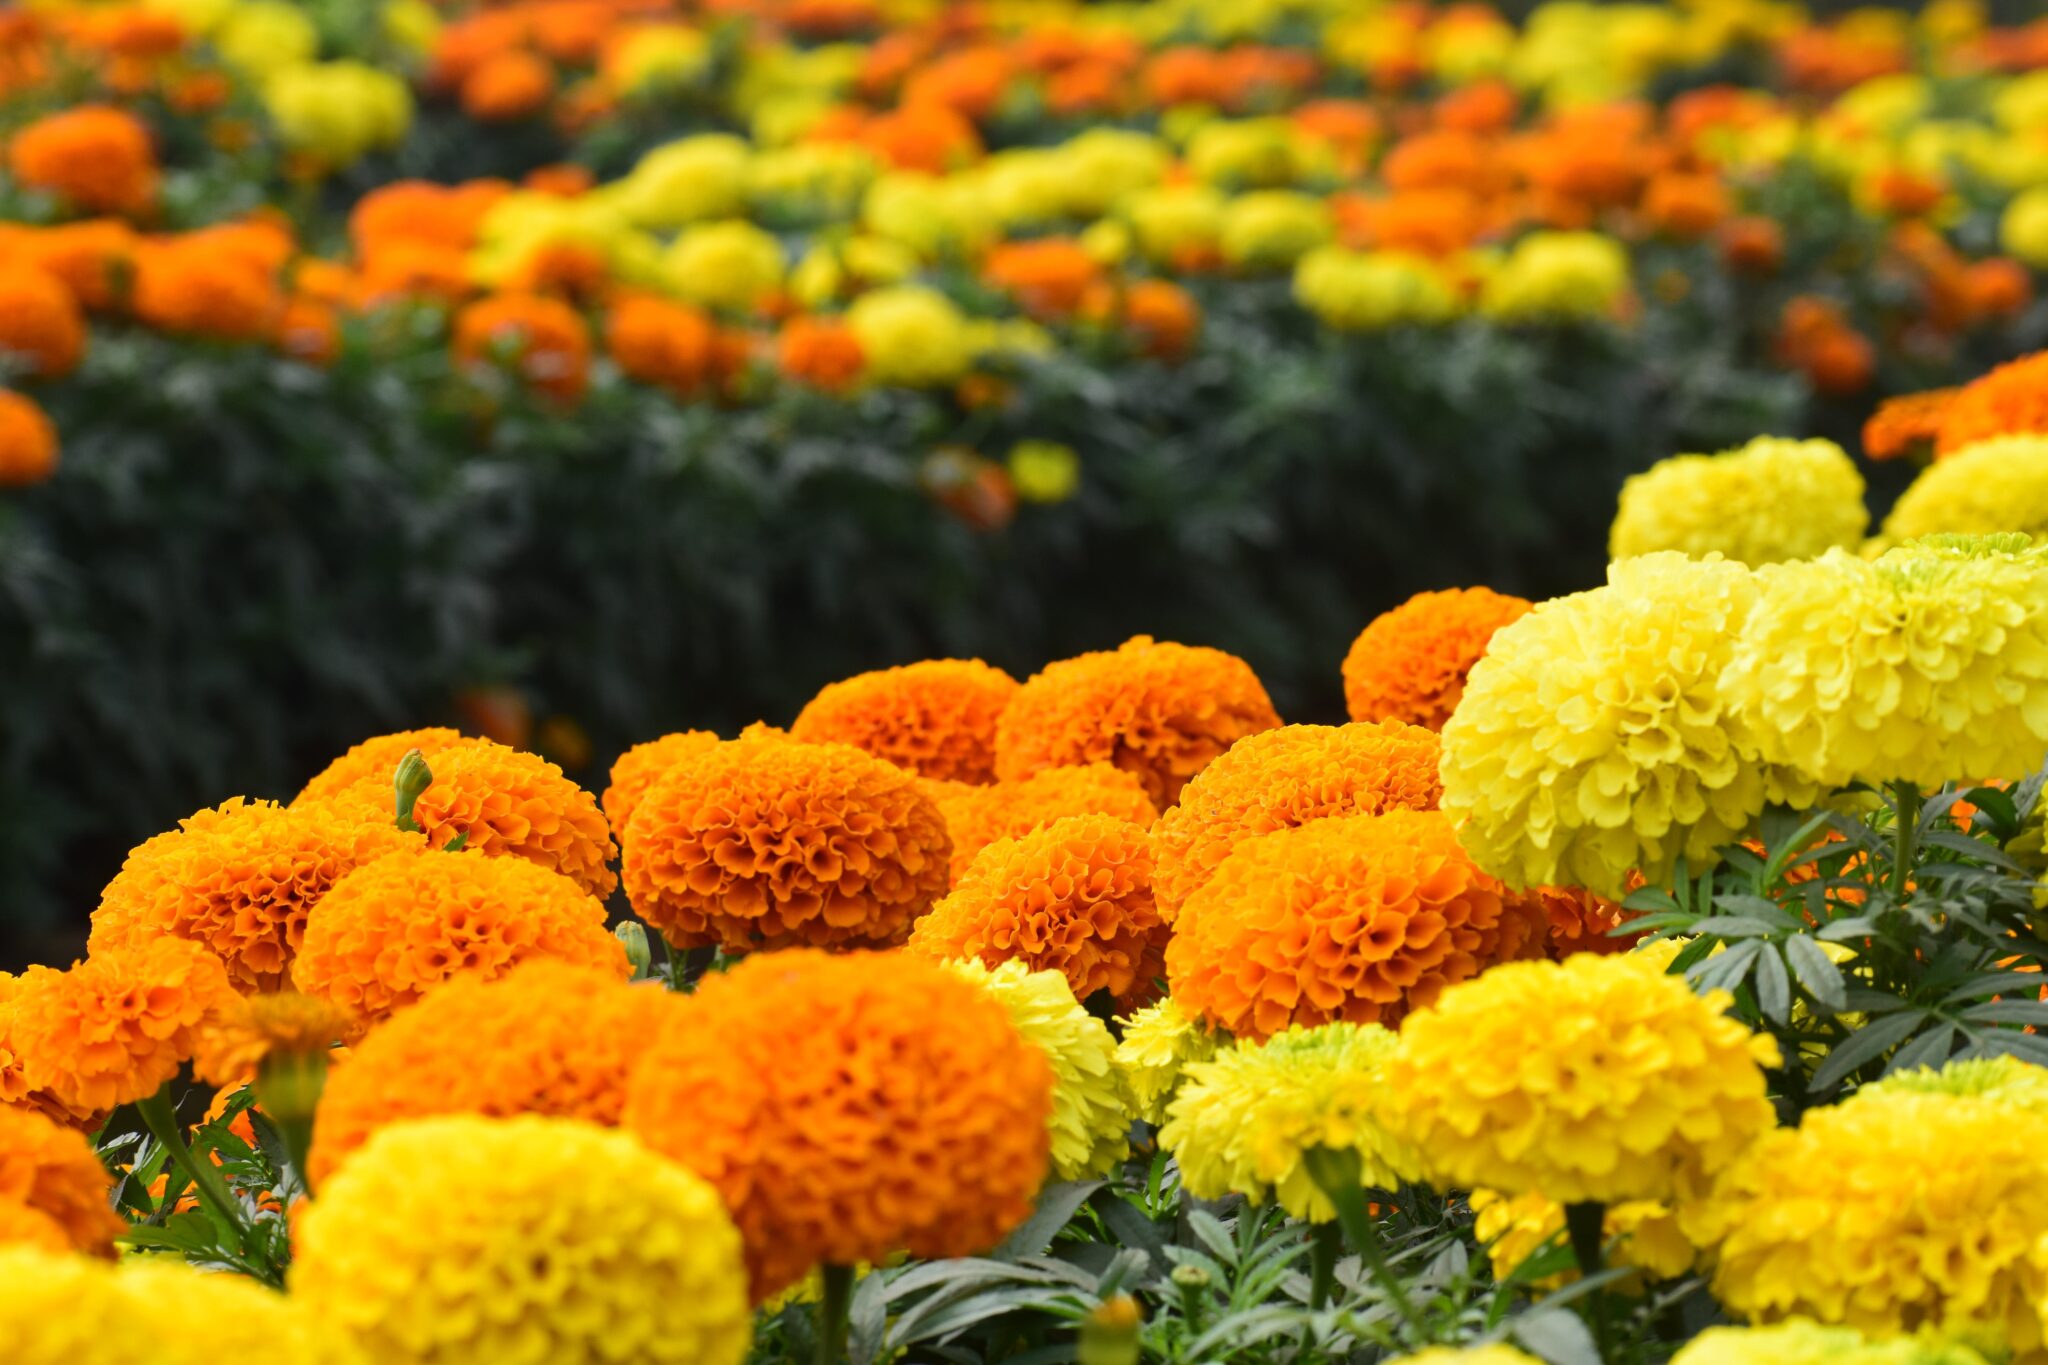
[[1325, 1242], [833, 1305], [1337, 1173], [1587, 1225], [163, 1125], [1907, 798]]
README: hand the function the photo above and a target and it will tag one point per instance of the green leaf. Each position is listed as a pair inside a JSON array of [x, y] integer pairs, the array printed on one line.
[[1773, 987], [1556, 1336], [1866, 1045], [2033, 1012], [1817, 972], [1057, 1205]]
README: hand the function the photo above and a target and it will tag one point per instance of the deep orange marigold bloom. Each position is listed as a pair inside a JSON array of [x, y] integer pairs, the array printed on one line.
[[1163, 317], [1686, 206], [1752, 245], [1074, 897], [401, 270], [1360, 918], [766, 842], [377, 758], [1159, 709], [1443, 158], [309, 331], [193, 286], [936, 718], [2011, 400], [1580, 922], [28, 441], [96, 158], [657, 341], [544, 338], [40, 322], [1481, 107], [233, 1046], [545, 1038], [848, 1107], [1998, 288], [15, 1087], [969, 82], [1906, 425], [821, 352], [1410, 663], [91, 259], [421, 211], [1048, 276], [392, 931], [645, 764], [52, 1171], [978, 814], [508, 86], [1288, 777], [927, 137]]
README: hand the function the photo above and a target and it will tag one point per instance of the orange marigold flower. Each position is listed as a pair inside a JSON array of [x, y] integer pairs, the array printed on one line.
[[978, 814], [1998, 288], [309, 330], [1686, 206], [1752, 246], [389, 933], [40, 323], [1410, 663], [91, 259], [1581, 922], [545, 339], [1360, 918], [769, 843], [1288, 777], [657, 341], [15, 1087], [1159, 709], [849, 1107], [423, 212], [96, 158], [377, 758], [645, 764], [240, 881], [1906, 425], [936, 718], [22, 1226], [1074, 897], [1048, 276], [1163, 317], [508, 86], [193, 287], [53, 1172], [508, 803], [232, 1047], [28, 441], [2011, 400], [116, 1026], [546, 1038], [821, 352]]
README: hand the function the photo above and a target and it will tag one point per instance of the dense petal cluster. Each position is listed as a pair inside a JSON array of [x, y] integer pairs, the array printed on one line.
[[1801, 1341], [377, 758], [1411, 662], [645, 764], [551, 1239], [1999, 484], [2011, 400], [1158, 709], [1286, 777], [1596, 1078], [232, 1046], [1158, 1045], [502, 801], [51, 1171], [15, 1085], [1582, 922], [936, 718], [767, 843], [2007, 1080], [1360, 917], [1640, 1233], [1773, 499], [978, 815], [392, 931], [849, 1107]]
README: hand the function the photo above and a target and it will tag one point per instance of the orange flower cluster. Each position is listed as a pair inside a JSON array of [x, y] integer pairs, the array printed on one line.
[[936, 718], [1074, 897], [1906, 426], [28, 441], [232, 1047], [41, 324], [50, 1178], [977, 815], [2010, 400], [660, 342], [767, 842], [1581, 922], [1816, 338], [1284, 778], [1050, 277], [848, 1108], [94, 158], [821, 352], [219, 283], [1160, 710], [1410, 663], [376, 760], [412, 239], [545, 341], [643, 765], [1359, 918]]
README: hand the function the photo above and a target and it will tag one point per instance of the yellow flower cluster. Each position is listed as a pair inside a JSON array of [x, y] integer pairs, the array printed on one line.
[[1159, 1044], [1996, 485], [1771, 500], [1803, 1342]]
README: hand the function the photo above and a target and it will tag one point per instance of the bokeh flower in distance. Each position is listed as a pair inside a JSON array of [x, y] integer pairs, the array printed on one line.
[[1773, 499]]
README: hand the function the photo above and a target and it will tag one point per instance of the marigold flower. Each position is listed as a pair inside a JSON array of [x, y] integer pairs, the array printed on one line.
[[88, 258], [1163, 317], [552, 1240], [1773, 499], [1906, 425], [508, 86], [1751, 245], [767, 842], [658, 341], [545, 340], [977, 815], [1642, 1234], [848, 1107], [1048, 276], [2007, 1080], [1360, 918], [1999, 484], [1410, 663], [912, 336], [22, 1226], [232, 1047], [1158, 709], [28, 441], [821, 352], [191, 287], [1242, 1123], [645, 764], [40, 323], [1074, 897], [95, 158], [2011, 400], [1558, 276], [391, 931], [936, 718], [15, 1086], [1632, 1087], [1582, 922], [1686, 206], [377, 759], [1286, 777], [52, 1171], [1800, 1341], [1159, 1043]]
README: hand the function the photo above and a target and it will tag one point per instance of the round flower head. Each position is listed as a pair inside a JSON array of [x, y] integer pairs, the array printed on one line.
[[645, 764], [2011, 400], [28, 441], [2005, 1079], [768, 843], [1243, 1121], [1581, 922], [241, 880], [1889, 1213], [42, 329], [1906, 425], [1773, 499], [1801, 1341], [1074, 897], [15, 1086], [551, 1240], [2000, 484], [232, 1046], [1357, 917], [1928, 664], [1091, 1108], [849, 1107], [1160, 710], [505, 802], [1283, 778], [1159, 1043], [1642, 1234], [976, 816], [1593, 739], [94, 157], [377, 759], [546, 1038], [53, 1171], [1410, 664], [1597, 1078], [393, 931], [936, 718]]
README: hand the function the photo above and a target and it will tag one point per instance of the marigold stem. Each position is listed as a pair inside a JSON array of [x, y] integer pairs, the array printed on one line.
[[1326, 1240], [162, 1122], [1906, 796], [1586, 1223], [833, 1305], [1337, 1173]]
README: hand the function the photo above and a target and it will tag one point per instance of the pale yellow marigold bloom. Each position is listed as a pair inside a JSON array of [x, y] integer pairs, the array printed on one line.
[[1995, 485], [1804, 1342], [1493, 1353], [1160, 1042], [2005, 1079], [1770, 500], [1557, 276]]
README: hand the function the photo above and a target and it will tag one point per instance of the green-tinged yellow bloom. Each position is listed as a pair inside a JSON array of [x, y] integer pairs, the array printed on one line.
[[1995, 485], [1175, 222], [1091, 1110], [1890, 1213], [658, 57], [691, 180], [521, 1239], [1593, 738], [2005, 1079], [1259, 153], [1103, 165], [1493, 1353], [1803, 1342], [339, 111], [1598, 1078], [1552, 276], [730, 264], [1160, 1042], [912, 336], [814, 182], [1272, 229], [412, 25], [1770, 500], [1044, 471], [1640, 1233], [265, 36], [1244, 1120], [1363, 291], [938, 218]]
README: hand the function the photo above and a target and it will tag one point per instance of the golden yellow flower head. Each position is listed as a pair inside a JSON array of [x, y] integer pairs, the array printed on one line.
[[1801, 1341], [1770, 500], [2000, 484], [1160, 1042], [1493, 1353], [1555, 276]]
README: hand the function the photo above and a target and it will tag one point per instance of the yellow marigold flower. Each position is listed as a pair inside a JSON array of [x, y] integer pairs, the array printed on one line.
[[551, 1239], [509, 803], [1641, 1233], [1628, 1086], [1354, 917], [978, 815], [232, 1047], [1593, 739], [2005, 1079], [1074, 897], [377, 758], [1158, 709], [393, 931], [2000, 484], [1272, 229], [1356, 291], [1091, 1109], [2023, 229], [936, 718], [1926, 664], [1800, 1341], [731, 264], [767, 842], [1243, 1121], [911, 336], [53, 1172], [1773, 499], [1410, 663], [1493, 1353], [1556, 276], [1889, 1213], [645, 764], [1286, 777], [1159, 1043]]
